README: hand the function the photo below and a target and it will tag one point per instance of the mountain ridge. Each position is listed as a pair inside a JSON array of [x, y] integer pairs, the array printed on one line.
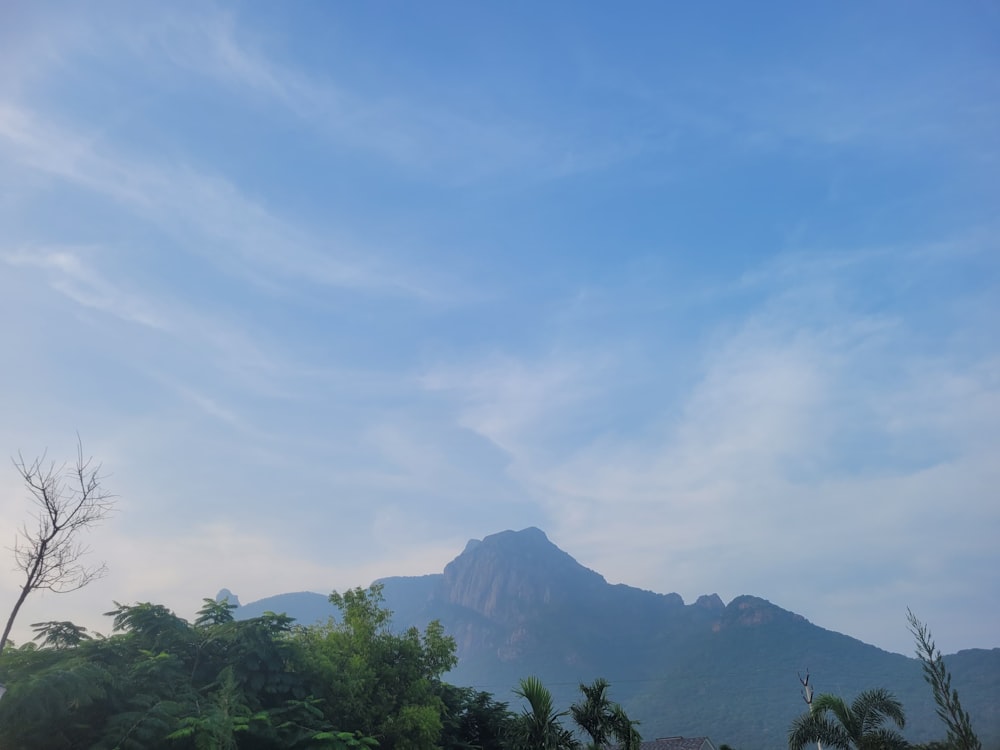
[[517, 604]]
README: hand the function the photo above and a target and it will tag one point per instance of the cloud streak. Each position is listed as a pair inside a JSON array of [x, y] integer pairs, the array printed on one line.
[[207, 215]]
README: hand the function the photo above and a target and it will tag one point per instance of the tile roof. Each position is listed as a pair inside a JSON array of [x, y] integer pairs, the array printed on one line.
[[677, 743]]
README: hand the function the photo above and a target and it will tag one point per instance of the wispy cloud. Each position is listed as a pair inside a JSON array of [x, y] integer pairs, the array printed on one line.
[[179, 328], [207, 214], [506, 399], [70, 274], [442, 135], [440, 139]]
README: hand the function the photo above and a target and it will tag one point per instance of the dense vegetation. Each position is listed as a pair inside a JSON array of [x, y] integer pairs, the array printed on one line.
[[161, 682]]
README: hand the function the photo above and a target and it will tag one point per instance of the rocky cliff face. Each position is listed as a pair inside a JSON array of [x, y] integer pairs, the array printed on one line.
[[511, 576], [751, 611]]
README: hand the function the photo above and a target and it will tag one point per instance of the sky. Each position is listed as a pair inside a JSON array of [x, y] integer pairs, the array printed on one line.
[[709, 292]]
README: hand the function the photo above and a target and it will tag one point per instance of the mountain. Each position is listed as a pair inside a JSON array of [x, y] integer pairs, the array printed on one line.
[[517, 605]]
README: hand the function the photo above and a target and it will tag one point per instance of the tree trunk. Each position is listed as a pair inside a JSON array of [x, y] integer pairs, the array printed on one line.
[[13, 615]]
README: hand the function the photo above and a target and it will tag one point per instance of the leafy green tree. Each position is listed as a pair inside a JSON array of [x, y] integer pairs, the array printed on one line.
[[624, 729], [960, 733], [605, 722], [538, 726], [214, 613], [55, 697], [858, 726], [473, 720], [384, 684], [225, 714]]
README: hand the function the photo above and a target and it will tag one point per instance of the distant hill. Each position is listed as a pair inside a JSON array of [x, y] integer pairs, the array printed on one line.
[[518, 605]]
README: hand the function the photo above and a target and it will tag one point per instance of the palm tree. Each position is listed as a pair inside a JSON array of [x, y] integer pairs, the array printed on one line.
[[856, 727], [538, 727], [603, 720], [623, 729]]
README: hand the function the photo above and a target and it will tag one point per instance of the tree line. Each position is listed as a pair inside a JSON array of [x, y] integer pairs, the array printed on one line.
[[159, 681]]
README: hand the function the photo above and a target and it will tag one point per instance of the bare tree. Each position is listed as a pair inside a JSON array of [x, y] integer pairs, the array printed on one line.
[[807, 696], [67, 500]]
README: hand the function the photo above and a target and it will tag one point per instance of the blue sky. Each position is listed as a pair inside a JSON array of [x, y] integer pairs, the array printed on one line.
[[708, 292]]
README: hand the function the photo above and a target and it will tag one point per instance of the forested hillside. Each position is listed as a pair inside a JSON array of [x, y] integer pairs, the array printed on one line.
[[516, 604]]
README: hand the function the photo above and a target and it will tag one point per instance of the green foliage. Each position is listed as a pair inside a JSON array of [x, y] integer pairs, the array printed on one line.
[[858, 726], [159, 682], [604, 721], [473, 719], [51, 696], [362, 611], [345, 740], [214, 613], [59, 634], [538, 727], [960, 733], [224, 714], [384, 684], [624, 729]]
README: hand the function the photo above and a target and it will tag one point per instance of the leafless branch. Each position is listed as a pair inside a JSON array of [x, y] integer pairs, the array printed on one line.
[[66, 500]]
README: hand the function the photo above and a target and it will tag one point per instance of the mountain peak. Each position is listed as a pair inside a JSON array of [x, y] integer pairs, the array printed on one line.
[[711, 602], [225, 595], [751, 611], [511, 574]]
